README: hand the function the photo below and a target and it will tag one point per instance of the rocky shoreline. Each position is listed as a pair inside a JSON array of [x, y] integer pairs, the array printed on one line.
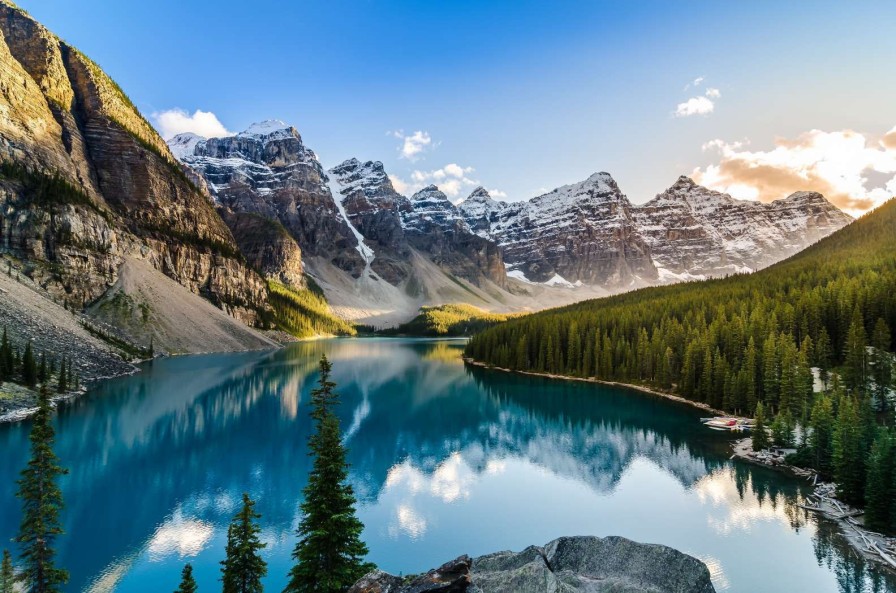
[[570, 564], [872, 546]]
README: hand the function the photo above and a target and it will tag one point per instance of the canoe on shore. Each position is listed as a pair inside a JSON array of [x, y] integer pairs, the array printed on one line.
[[728, 423]]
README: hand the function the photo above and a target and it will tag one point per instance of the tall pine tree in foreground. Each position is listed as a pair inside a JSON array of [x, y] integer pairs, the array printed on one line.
[[187, 582], [7, 576], [330, 554], [41, 503], [244, 568]]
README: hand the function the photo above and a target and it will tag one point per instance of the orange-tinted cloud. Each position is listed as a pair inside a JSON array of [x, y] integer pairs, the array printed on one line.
[[851, 171]]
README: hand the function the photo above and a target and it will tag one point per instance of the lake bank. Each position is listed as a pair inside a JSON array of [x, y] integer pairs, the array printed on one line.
[[440, 453], [872, 546], [640, 388]]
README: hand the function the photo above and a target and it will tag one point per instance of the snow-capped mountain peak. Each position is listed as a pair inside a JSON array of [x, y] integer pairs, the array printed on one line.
[[695, 232], [266, 128], [184, 145], [599, 187], [369, 177]]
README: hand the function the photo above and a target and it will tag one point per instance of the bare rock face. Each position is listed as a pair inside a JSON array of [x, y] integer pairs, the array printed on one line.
[[267, 170], [374, 209], [88, 182], [569, 564], [588, 232], [435, 226], [268, 247], [578, 233], [694, 232]]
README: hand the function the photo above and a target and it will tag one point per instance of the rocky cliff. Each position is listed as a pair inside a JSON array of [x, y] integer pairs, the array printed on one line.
[[435, 226], [374, 209], [267, 170], [86, 183], [694, 232], [582, 233], [589, 233], [570, 564]]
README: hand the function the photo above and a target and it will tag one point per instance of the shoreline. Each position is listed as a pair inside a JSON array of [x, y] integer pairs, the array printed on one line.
[[866, 543], [872, 546], [20, 413], [642, 389]]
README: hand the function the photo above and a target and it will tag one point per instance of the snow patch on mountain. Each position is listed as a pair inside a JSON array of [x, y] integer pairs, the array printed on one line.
[[270, 129], [184, 145], [363, 249]]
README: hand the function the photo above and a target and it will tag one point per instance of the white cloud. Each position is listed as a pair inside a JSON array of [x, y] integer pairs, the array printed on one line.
[[399, 184], [413, 145], [177, 121], [694, 106], [695, 83], [453, 179], [497, 193], [854, 171], [698, 105]]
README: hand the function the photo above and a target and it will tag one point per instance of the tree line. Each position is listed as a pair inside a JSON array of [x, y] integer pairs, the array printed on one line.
[[30, 370], [329, 555], [748, 344]]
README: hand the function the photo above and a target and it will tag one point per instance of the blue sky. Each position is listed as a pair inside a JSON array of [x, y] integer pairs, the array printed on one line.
[[526, 96]]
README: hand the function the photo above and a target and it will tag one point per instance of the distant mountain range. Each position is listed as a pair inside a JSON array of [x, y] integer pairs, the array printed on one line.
[[586, 234], [142, 236]]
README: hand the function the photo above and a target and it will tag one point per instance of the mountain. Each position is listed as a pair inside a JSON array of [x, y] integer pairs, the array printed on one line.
[[383, 254], [435, 225], [104, 217], [87, 187], [589, 233], [694, 232], [374, 209], [378, 255], [581, 233], [267, 170], [735, 341]]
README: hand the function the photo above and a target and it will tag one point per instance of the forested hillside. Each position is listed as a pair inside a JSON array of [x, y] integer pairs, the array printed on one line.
[[742, 340], [449, 320]]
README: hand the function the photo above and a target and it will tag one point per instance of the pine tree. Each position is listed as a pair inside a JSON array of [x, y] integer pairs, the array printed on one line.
[[849, 463], [855, 353], [760, 436], [823, 354], [187, 582], [879, 487], [7, 575], [7, 364], [329, 554], [62, 384], [29, 367], [42, 369], [821, 438], [782, 429], [770, 369], [244, 567], [881, 362], [41, 503]]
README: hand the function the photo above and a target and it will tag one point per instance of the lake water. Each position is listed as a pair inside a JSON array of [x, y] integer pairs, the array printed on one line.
[[446, 460]]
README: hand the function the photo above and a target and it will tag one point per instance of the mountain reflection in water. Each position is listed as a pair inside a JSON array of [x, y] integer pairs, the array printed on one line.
[[445, 460]]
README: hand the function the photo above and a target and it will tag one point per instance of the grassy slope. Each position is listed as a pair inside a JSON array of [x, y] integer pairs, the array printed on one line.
[[305, 313]]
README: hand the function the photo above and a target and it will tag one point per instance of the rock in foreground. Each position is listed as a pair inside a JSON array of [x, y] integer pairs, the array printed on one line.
[[567, 564]]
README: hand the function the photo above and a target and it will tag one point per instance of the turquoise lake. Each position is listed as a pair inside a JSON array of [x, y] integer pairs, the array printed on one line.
[[446, 460]]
